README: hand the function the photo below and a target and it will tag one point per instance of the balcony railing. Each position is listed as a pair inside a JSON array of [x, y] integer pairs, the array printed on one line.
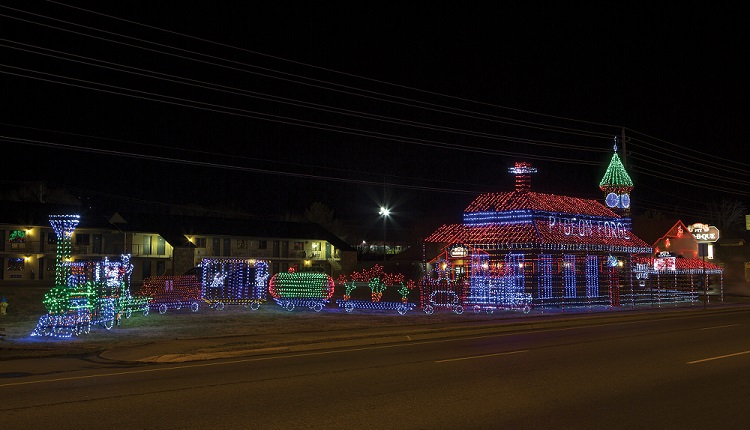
[[139, 250], [28, 247], [34, 247]]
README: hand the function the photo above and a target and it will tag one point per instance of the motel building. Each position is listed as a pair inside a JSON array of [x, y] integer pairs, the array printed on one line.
[[522, 249]]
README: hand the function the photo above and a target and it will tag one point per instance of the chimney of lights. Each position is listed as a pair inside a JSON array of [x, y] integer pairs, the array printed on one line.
[[523, 171]]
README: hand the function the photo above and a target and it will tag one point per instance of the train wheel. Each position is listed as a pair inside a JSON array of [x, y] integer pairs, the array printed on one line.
[[526, 309], [477, 309], [219, 306], [289, 306], [49, 326], [145, 311], [108, 324], [429, 309], [317, 307], [458, 310], [194, 306], [128, 313], [162, 308], [254, 306], [401, 309]]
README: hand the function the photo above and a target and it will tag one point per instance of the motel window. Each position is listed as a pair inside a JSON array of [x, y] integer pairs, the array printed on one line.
[[227, 248], [17, 236], [82, 239], [15, 264], [241, 244], [147, 245], [262, 244], [200, 242], [160, 246], [17, 239], [299, 246]]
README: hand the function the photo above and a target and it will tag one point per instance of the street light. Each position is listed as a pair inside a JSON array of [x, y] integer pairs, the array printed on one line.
[[384, 212]]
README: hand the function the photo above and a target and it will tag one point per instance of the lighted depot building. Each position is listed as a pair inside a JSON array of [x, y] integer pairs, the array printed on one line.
[[523, 248]]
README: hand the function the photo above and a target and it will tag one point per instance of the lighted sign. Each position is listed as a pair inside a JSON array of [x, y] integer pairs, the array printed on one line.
[[665, 263], [587, 227], [704, 232], [459, 251], [641, 271]]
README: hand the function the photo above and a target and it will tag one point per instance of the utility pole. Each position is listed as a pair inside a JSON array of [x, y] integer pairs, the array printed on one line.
[[702, 251], [384, 212]]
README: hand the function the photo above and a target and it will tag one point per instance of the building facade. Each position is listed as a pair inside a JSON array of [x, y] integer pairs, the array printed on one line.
[[160, 245]]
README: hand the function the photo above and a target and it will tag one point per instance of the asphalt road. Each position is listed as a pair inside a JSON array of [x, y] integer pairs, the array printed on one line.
[[688, 370]]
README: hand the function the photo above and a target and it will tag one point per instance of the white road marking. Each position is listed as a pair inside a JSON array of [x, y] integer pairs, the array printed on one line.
[[472, 357], [718, 357], [719, 326]]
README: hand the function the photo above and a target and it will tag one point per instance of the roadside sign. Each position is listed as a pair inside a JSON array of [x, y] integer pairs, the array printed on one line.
[[704, 232]]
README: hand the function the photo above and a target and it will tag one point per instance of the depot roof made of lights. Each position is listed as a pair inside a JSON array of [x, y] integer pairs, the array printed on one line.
[[536, 232], [516, 200], [683, 265]]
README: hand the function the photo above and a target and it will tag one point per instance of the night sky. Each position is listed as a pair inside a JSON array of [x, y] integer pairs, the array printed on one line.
[[268, 108]]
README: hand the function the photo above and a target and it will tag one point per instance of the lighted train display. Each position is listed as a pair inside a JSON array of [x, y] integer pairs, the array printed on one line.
[[246, 282], [295, 289], [220, 283], [98, 293], [95, 293], [226, 282], [86, 294], [89, 294]]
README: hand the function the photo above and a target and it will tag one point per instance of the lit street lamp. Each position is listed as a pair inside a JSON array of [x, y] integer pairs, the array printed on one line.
[[384, 212]]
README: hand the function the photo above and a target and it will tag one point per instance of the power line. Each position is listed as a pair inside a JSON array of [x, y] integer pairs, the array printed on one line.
[[453, 111], [211, 107], [331, 70], [134, 38], [246, 93], [641, 170], [109, 152]]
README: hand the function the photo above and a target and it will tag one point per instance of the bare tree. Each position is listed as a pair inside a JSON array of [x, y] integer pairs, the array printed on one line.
[[40, 192], [318, 213], [728, 215]]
